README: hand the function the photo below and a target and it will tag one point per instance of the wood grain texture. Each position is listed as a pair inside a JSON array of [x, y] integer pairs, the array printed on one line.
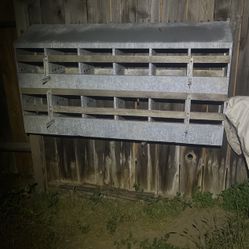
[[174, 10], [39, 162], [159, 168], [243, 75], [116, 11], [12, 129], [34, 12], [235, 15], [155, 11], [51, 157], [53, 11], [75, 11], [98, 11], [239, 72], [21, 16], [128, 11], [221, 10]]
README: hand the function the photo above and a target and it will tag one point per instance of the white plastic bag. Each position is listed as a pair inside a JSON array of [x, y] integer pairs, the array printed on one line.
[[237, 125]]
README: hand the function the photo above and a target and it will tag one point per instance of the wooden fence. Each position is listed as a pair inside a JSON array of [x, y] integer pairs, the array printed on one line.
[[159, 168]]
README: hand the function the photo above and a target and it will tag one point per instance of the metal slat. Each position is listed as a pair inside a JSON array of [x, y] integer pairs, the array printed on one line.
[[207, 85], [201, 134]]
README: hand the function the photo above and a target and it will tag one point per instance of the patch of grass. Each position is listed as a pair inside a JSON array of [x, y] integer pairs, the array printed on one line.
[[113, 222], [230, 235], [83, 227], [27, 220], [52, 220], [127, 243], [137, 187], [97, 197], [158, 208], [203, 199], [156, 243], [236, 198]]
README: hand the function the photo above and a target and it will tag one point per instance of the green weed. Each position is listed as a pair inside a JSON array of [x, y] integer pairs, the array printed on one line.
[[83, 227], [128, 243], [231, 234], [157, 243], [203, 199], [97, 197], [158, 208], [137, 187], [29, 214], [236, 198]]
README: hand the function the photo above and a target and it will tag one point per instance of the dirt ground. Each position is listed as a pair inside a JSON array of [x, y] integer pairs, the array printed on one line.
[[71, 220]]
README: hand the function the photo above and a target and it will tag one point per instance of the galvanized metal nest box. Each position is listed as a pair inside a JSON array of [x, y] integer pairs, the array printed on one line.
[[146, 82]]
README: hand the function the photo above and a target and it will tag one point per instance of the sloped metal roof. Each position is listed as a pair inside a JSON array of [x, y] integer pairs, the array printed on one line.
[[210, 34]]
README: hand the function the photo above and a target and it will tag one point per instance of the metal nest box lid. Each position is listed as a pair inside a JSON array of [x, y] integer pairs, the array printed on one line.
[[113, 35]]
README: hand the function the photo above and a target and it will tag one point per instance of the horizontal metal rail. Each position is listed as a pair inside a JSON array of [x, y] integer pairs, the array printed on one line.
[[171, 132], [175, 84]]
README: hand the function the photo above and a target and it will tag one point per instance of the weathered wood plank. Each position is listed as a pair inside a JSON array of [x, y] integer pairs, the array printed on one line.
[[98, 11], [235, 15], [15, 147], [128, 11], [50, 151], [143, 11], [155, 11], [174, 10], [115, 15], [126, 58], [241, 74], [7, 159], [75, 11], [21, 16], [124, 94], [34, 11], [39, 162], [17, 162], [221, 10], [53, 12], [242, 87], [206, 11]]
